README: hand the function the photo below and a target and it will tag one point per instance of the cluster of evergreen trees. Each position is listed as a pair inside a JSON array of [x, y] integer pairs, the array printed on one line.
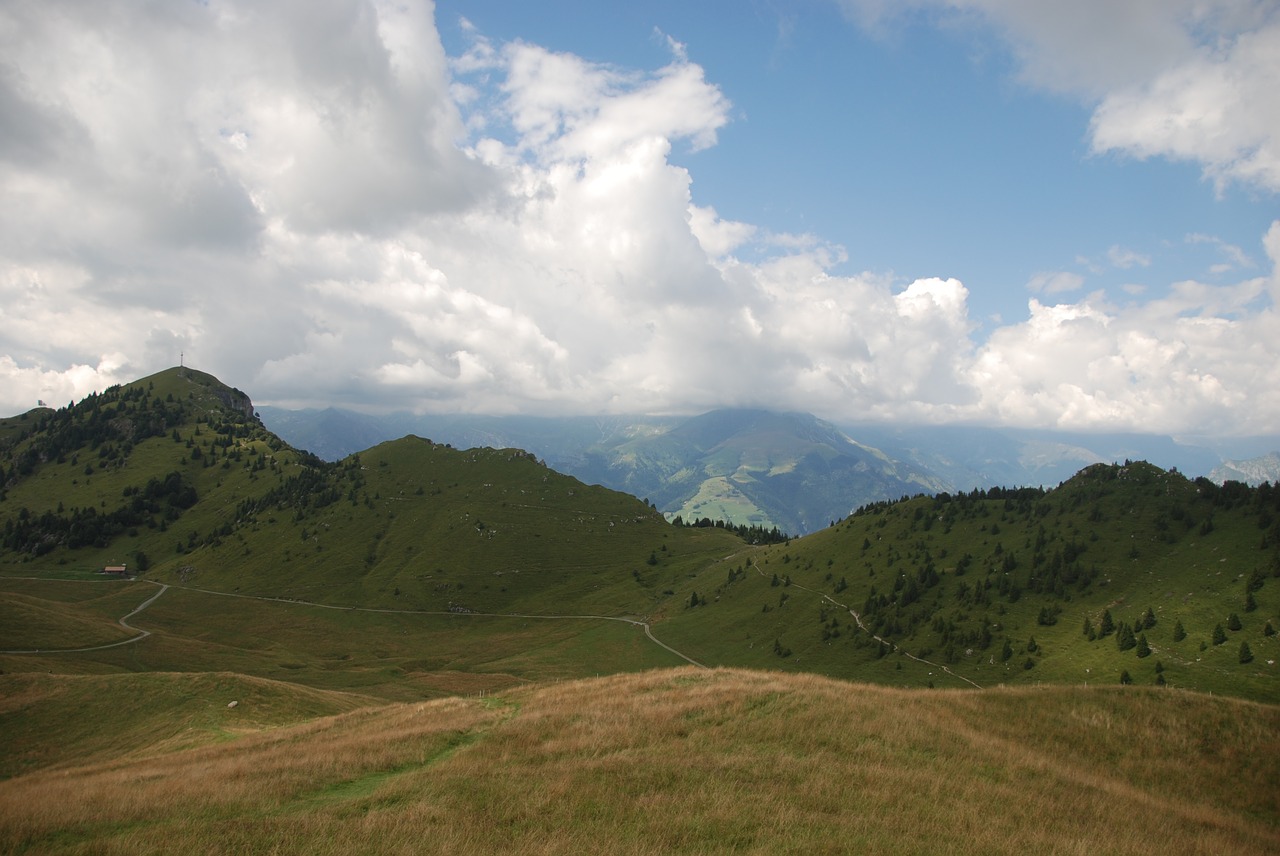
[[156, 504], [752, 534]]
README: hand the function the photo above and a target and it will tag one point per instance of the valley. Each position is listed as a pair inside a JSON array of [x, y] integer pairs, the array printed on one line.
[[393, 640]]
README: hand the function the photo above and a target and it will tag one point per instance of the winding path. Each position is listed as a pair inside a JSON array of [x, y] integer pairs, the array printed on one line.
[[143, 634], [123, 622], [637, 622]]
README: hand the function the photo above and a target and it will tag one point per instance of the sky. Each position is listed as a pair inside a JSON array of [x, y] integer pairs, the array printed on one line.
[[1057, 214]]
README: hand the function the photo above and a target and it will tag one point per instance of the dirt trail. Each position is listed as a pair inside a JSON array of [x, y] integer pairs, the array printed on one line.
[[123, 622], [142, 634]]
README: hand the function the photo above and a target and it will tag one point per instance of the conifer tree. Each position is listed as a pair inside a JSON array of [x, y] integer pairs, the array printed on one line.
[[1144, 650], [1233, 622], [1179, 632], [1107, 625], [1246, 655], [1219, 635]]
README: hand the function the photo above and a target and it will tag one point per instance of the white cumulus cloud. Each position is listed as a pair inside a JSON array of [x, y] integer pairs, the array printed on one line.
[[1190, 80], [315, 203]]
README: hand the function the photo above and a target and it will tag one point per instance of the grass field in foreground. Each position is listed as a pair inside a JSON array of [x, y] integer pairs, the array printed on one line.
[[693, 761]]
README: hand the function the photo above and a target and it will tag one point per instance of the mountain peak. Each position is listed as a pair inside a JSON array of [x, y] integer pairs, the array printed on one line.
[[184, 382]]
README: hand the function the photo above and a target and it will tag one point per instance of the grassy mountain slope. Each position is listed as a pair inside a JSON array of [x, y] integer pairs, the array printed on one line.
[[984, 588], [997, 588], [173, 475], [96, 482], [337, 604], [699, 762]]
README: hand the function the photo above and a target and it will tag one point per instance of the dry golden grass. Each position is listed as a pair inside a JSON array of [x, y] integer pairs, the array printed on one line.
[[702, 762]]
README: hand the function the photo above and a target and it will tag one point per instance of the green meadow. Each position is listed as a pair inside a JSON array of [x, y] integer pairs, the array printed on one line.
[[448, 650]]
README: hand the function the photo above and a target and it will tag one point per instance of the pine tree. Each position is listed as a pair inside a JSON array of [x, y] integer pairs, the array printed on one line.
[[1233, 622], [1148, 619], [1124, 637], [1007, 651], [1125, 678], [1256, 579], [1268, 630], [1144, 650], [1246, 655], [1107, 625], [1088, 629], [1179, 632], [1219, 635], [1249, 603]]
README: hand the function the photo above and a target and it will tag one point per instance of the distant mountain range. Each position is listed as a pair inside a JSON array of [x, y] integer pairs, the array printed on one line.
[[1251, 471], [790, 470]]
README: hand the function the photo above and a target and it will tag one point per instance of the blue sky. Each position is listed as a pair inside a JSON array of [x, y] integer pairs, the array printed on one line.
[[1053, 214], [914, 146]]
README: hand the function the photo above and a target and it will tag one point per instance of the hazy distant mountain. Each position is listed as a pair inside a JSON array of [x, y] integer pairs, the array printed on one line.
[[752, 466], [791, 470], [1252, 471], [746, 466], [561, 441], [975, 457]]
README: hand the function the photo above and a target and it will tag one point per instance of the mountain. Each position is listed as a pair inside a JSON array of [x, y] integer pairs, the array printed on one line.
[[749, 467], [173, 475], [333, 433], [791, 470], [1252, 471], [969, 457], [464, 650], [1124, 569]]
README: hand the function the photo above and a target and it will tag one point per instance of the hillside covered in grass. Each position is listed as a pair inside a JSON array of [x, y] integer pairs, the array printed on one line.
[[672, 761], [451, 650], [174, 477], [1123, 573]]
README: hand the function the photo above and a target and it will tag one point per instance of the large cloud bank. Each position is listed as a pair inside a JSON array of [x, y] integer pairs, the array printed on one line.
[[314, 202]]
